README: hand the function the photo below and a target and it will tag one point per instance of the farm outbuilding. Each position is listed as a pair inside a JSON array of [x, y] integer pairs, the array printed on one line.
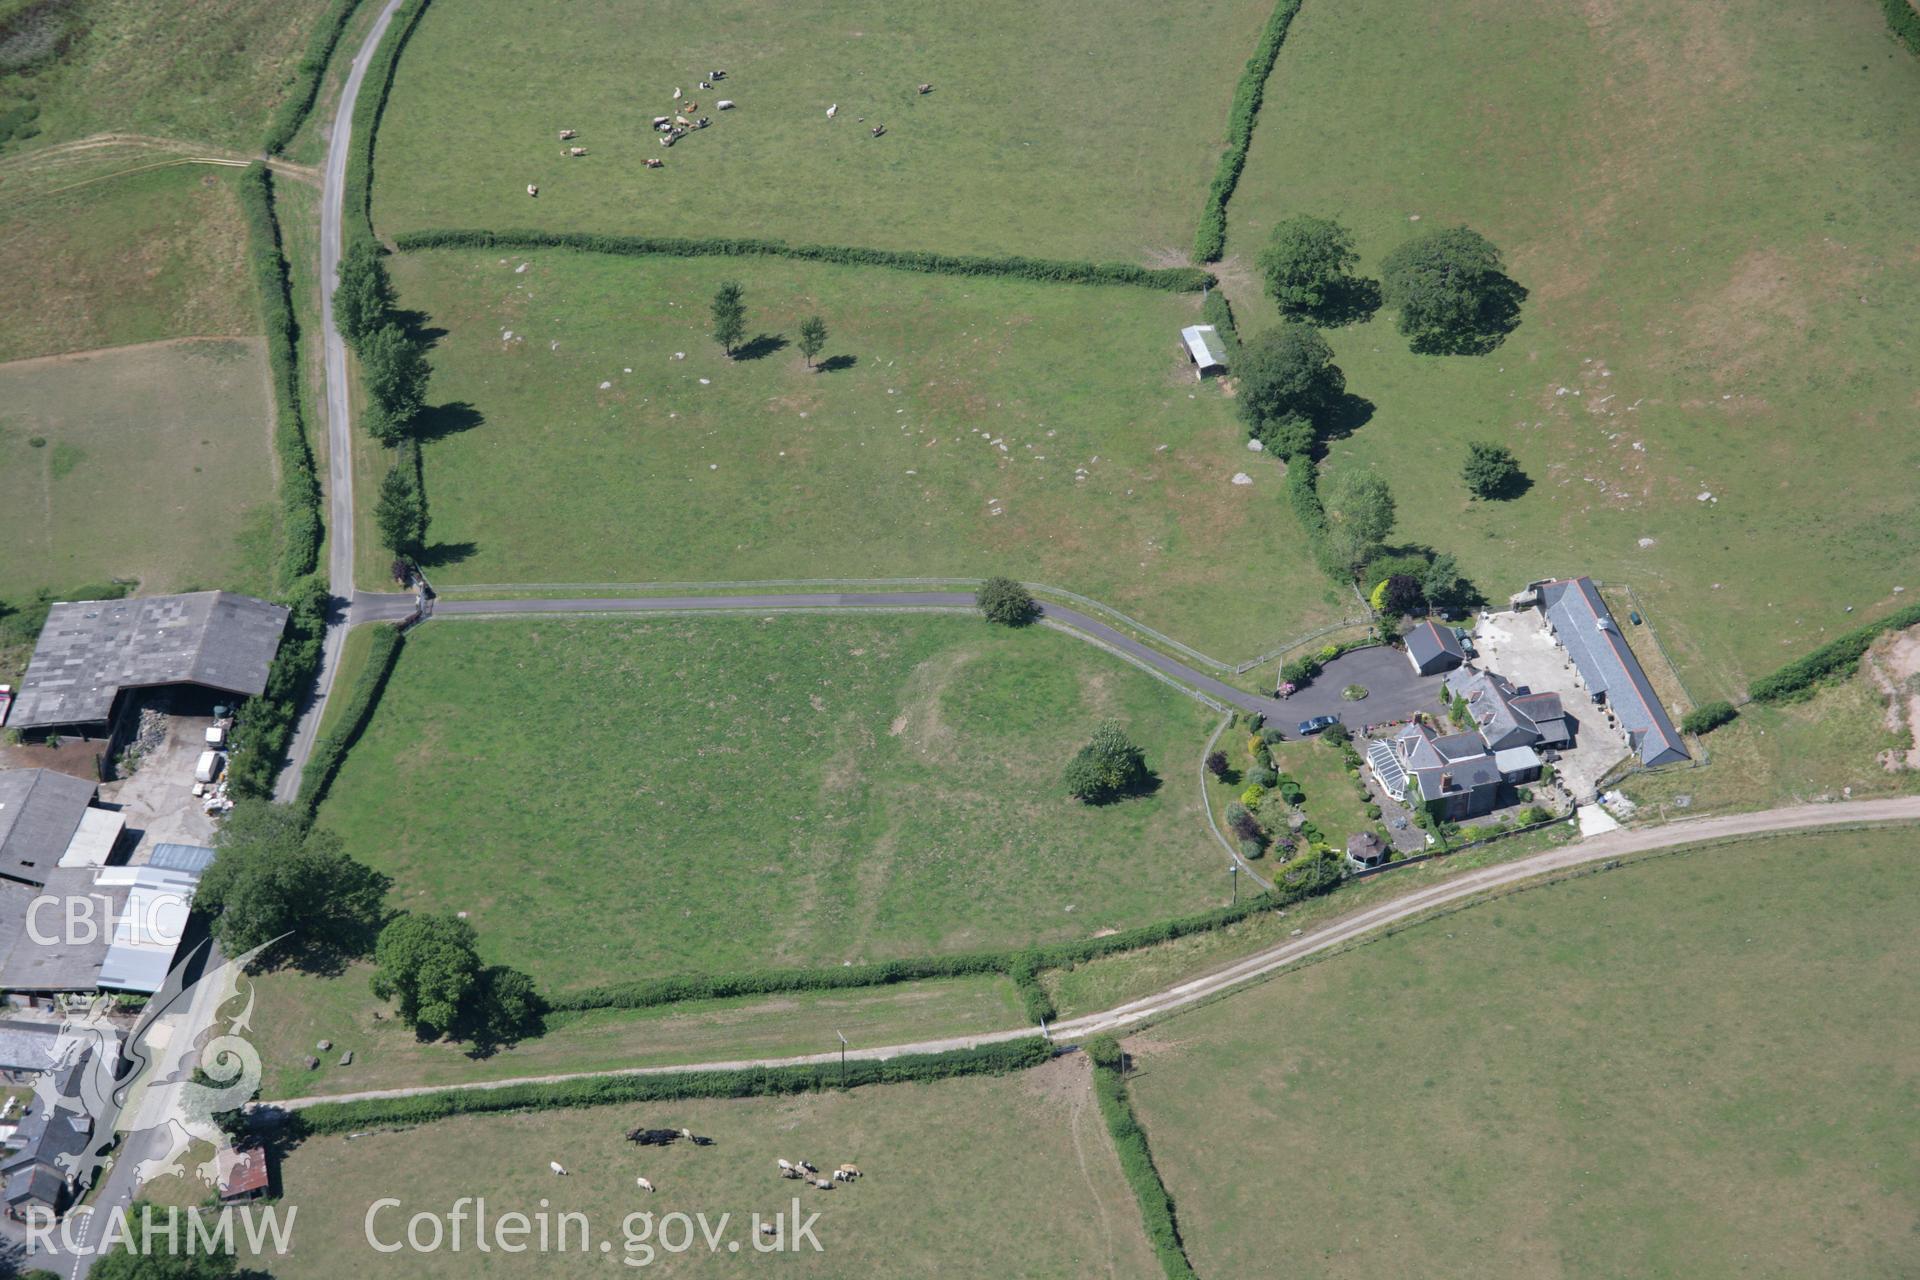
[[1432, 648], [1205, 349], [90, 650]]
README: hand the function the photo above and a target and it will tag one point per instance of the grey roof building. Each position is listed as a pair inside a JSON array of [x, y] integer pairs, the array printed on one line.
[[1432, 648], [70, 959], [39, 812], [52, 1140], [1584, 626], [1510, 716], [89, 651]]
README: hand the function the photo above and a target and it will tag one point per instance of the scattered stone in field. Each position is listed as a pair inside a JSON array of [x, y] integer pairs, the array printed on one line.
[[346, 1059], [519, 269], [1560, 391], [1716, 587], [1160, 448], [1898, 590], [706, 382], [506, 335], [679, 355], [1646, 542], [554, 345], [605, 385], [1241, 477], [313, 1064], [1639, 446], [1253, 446], [324, 1045], [1413, 217], [1704, 496], [912, 472], [626, 371]]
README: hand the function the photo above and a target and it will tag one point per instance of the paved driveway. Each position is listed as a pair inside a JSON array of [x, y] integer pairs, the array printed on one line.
[[1394, 691]]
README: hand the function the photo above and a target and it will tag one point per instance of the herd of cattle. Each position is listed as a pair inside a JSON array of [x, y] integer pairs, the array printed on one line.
[[681, 121], [803, 1170]]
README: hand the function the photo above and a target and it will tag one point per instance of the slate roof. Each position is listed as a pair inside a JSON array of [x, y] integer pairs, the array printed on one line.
[[1434, 648], [1587, 630], [39, 812], [27, 1046], [72, 961], [90, 650]]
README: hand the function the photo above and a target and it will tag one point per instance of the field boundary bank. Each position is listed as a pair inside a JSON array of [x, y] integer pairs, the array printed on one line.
[[299, 105], [1210, 237], [1155, 1202], [368, 109], [925, 262]]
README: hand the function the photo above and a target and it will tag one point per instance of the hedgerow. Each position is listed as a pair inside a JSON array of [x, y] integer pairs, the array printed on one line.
[[1905, 21], [1054, 271], [596, 1091], [1218, 312], [264, 727], [1136, 1158], [1211, 239], [1836, 657], [365, 696], [300, 529], [292, 113], [372, 104]]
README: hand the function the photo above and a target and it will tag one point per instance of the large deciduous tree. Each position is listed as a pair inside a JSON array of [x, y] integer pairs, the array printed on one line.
[[274, 876], [1360, 512], [1289, 387], [729, 316], [1449, 290], [1306, 263], [1107, 768]]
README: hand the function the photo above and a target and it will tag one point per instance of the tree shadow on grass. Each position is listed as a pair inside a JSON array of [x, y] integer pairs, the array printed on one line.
[[442, 554], [834, 364], [1512, 487], [437, 422], [1499, 316], [760, 348], [1349, 301], [1345, 416]]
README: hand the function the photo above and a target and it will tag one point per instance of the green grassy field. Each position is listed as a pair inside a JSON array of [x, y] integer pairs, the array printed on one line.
[[125, 260], [978, 426], [153, 464], [620, 799], [1698, 1066], [297, 1011], [204, 71], [1010, 1176], [1075, 130], [1722, 278]]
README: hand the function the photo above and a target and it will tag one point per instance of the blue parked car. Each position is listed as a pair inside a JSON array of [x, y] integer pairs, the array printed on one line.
[[1317, 725]]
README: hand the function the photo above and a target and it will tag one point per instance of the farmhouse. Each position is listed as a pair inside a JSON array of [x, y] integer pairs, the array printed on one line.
[[90, 650], [1204, 349], [1585, 628], [50, 1141]]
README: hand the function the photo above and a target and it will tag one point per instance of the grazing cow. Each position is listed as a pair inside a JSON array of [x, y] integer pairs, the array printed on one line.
[[568, 133], [559, 1170], [766, 1229], [725, 104], [661, 120], [689, 105], [877, 130], [716, 75], [682, 121], [840, 1175], [925, 88], [576, 151], [655, 162], [706, 84], [809, 1166], [833, 111], [851, 1170], [644, 1185], [782, 1163], [702, 122], [532, 190], [676, 95], [791, 1172], [823, 1184]]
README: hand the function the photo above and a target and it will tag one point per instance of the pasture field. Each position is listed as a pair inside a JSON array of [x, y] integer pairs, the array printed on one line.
[[152, 464], [1722, 281], [978, 1176], [128, 259], [959, 428], [616, 799], [1701, 1065], [297, 1011], [204, 71], [1074, 130]]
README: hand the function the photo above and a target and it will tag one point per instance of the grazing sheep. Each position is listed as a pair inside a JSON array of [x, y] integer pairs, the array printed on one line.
[[725, 104], [833, 111], [568, 133], [655, 162], [676, 95], [532, 190], [782, 1163], [559, 1170], [576, 152], [925, 88], [644, 1185], [823, 1184]]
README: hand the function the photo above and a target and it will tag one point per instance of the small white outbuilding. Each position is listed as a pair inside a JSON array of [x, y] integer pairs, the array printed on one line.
[[1204, 349]]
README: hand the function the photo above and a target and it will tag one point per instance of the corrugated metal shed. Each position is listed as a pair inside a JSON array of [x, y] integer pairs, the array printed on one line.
[[181, 857]]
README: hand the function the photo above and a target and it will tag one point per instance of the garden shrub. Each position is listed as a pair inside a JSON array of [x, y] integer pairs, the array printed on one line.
[[300, 527], [1006, 602], [1373, 811], [1707, 717], [1262, 776], [1048, 270], [330, 754], [293, 111], [1252, 795], [596, 1091], [1210, 239]]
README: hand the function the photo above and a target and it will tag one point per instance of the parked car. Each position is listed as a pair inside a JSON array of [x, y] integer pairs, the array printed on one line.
[[1319, 724]]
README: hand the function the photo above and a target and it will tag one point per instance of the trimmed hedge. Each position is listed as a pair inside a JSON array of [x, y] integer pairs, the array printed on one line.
[[300, 527], [1707, 717], [332, 751], [596, 1091], [1211, 239], [367, 110], [264, 728], [293, 112], [1218, 312], [1054, 271], [1136, 1162], [1905, 22], [1837, 657]]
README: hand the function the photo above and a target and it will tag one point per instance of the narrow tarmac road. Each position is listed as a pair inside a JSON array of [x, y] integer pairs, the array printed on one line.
[[1337, 933]]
